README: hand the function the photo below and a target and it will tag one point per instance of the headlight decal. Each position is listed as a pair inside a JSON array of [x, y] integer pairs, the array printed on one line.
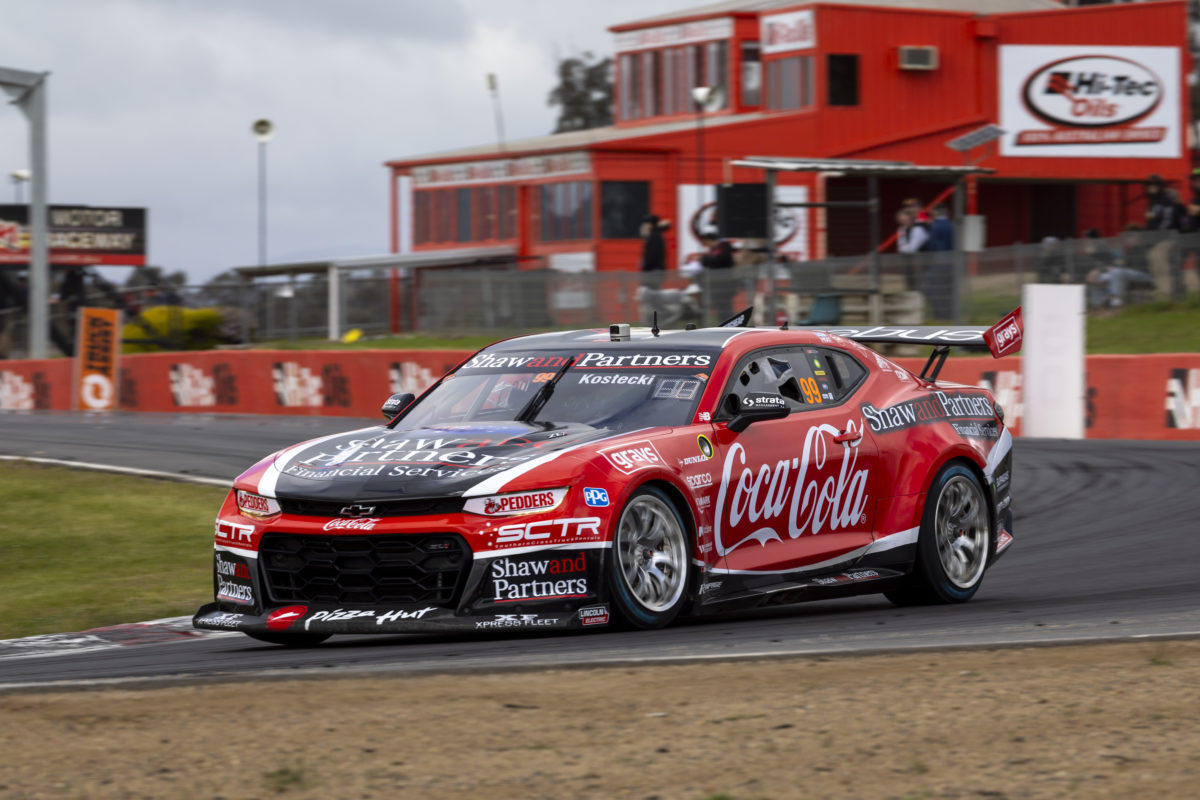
[[505, 505]]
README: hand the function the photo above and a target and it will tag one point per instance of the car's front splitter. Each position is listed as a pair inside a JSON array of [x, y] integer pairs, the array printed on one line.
[[302, 619]]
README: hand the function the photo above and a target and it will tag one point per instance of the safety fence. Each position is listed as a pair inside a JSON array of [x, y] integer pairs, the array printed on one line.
[[1128, 397]]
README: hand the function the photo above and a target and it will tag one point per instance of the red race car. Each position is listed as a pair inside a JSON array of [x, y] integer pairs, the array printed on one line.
[[592, 477]]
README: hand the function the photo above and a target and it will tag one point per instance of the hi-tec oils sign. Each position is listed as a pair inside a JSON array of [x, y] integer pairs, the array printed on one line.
[[1096, 101]]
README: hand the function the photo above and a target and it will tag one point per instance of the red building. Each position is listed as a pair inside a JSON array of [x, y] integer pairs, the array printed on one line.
[[1092, 101]]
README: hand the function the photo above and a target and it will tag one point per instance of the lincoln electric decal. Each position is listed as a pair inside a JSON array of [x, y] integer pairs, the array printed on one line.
[[1098, 101]]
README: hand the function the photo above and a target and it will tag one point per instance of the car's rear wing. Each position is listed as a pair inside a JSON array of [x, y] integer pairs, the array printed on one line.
[[1002, 339]]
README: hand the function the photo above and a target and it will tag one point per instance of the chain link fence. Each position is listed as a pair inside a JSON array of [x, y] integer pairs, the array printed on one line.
[[972, 288]]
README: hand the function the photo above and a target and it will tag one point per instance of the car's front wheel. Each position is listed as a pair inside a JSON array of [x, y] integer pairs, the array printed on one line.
[[650, 574], [954, 543], [290, 639]]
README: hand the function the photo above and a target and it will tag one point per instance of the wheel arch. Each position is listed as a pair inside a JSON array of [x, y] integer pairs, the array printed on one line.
[[975, 469]]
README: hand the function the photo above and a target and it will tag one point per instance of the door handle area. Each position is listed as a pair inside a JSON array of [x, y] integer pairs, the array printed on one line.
[[848, 436]]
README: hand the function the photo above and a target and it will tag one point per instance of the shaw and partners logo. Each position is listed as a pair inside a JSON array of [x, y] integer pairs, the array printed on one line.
[[1091, 99]]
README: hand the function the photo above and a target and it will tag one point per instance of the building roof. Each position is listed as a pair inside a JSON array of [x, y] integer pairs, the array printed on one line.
[[571, 140], [758, 6]]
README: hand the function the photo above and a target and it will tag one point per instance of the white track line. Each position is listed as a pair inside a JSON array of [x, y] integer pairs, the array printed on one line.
[[141, 473]]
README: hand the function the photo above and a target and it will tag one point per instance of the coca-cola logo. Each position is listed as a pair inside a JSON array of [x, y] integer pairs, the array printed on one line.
[[351, 524], [1092, 91], [762, 502]]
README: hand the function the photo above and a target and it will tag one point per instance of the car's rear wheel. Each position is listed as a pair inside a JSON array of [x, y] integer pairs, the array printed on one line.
[[650, 574], [290, 639], [954, 543]]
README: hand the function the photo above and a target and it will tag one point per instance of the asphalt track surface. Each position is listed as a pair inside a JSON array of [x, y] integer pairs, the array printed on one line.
[[1107, 547]]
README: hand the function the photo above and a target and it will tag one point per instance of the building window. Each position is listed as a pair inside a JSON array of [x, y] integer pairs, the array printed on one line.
[[421, 217], [463, 201], [790, 83], [751, 74], [717, 57], [506, 210], [651, 73], [843, 79], [566, 211], [445, 215], [623, 204], [631, 86], [485, 220]]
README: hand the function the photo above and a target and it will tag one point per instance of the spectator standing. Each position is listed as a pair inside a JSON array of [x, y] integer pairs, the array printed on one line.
[[718, 265], [910, 240], [937, 281], [1166, 215], [654, 252]]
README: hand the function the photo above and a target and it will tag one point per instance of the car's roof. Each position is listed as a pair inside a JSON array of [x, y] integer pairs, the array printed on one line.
[[665, 341]]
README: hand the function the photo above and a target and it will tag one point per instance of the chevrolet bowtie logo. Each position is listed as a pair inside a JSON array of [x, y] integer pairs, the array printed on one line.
[[356, 511]]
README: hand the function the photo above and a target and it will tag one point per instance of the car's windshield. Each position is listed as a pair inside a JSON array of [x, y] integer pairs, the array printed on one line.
[[621, 390]]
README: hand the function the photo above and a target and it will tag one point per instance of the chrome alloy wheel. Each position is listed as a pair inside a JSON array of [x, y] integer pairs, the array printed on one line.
[[961, 530], [652, 553]]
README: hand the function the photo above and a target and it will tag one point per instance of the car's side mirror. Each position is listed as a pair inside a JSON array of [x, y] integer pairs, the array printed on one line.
[[755, 407], [397, 403]]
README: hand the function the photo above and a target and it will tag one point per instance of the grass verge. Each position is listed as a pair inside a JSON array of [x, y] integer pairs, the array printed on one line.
[[82, 550]]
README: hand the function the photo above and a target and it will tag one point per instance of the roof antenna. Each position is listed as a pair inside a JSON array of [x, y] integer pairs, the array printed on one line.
[[784, 326], [654, 329]]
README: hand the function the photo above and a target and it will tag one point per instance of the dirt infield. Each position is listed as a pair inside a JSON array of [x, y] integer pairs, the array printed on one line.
[[1088, 721]]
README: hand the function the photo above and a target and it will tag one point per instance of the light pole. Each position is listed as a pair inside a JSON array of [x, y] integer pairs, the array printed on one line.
[[263, 130], [19, 176]]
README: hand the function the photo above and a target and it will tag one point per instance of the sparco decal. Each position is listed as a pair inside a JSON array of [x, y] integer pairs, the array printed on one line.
[[814, 501], [539, 579], [940, 407], [282, 618], [550, 530], [1183, 398], [632, 457]]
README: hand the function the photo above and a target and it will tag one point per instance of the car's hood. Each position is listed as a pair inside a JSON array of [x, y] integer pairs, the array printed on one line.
[[440, 461]]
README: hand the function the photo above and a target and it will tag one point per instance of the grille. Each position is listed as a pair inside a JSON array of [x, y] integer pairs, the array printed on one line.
[[364, 570], [383, 508]]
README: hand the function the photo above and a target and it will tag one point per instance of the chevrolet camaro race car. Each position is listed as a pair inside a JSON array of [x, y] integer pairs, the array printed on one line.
[[573, 480]]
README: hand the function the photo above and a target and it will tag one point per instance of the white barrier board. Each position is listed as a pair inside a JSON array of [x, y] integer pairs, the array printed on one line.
[[1052, 360]]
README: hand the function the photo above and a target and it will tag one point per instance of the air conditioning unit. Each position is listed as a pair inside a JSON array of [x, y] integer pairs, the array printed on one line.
[[925, 57]]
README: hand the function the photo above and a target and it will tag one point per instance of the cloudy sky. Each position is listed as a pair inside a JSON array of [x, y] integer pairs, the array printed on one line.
[[151, 102]]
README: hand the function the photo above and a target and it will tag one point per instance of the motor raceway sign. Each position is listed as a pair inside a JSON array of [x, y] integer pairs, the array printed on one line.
[[1090, 101]]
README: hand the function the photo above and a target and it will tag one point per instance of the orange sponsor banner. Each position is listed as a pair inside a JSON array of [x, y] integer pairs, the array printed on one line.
[[97, 360]]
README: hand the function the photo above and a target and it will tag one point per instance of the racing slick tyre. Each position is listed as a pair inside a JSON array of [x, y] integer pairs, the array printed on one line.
[[290, 639], [651, 565], [954, 543]]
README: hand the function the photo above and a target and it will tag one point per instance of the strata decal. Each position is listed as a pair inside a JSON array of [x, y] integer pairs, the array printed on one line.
[[806, 489], [546, 578], [970, 414]]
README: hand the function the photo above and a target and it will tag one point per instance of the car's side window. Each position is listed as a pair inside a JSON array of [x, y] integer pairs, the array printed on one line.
[[782, 371], [837, 373]]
